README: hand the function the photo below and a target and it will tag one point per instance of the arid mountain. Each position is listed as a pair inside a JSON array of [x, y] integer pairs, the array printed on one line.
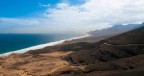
[[121, 55], [102, 34], [114, 30]]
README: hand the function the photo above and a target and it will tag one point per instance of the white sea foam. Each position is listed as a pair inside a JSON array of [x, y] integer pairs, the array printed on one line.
[[41, 46]]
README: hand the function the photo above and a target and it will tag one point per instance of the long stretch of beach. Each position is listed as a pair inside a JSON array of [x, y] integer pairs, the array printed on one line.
[[41, 46], [120, 55]]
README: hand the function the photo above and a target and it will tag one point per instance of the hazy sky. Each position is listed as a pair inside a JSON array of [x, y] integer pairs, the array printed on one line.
[[66, 16]]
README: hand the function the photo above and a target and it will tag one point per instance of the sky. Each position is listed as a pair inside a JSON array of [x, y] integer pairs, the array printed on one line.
[[67, 16]]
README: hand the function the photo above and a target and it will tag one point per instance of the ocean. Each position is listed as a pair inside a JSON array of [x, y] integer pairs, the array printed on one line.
[[14, 42]]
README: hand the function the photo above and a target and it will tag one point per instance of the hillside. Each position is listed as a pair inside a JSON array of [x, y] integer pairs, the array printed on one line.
[[114, 30], [121, 55], [102, 34]]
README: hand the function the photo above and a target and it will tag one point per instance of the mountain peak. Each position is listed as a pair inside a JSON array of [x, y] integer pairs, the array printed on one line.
[[114, 30]]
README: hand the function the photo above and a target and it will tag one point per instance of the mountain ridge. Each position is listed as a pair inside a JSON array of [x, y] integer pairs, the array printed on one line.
[[120, 55], [102, 34]]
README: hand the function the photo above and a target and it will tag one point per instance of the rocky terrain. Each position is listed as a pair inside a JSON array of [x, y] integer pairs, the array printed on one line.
[[120, 55]]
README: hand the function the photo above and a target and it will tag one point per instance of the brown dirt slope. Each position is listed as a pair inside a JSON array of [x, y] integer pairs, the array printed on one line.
[[121, 55]]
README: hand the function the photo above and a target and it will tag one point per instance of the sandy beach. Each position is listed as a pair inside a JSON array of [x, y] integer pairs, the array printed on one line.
[[41, 46]]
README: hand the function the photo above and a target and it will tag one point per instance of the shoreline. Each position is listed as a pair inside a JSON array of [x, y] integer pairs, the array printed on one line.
[[41, 46]]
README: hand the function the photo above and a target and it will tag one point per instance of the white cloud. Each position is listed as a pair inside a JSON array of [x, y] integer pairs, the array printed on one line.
[[93, 14], [44, 5], [20, 21]]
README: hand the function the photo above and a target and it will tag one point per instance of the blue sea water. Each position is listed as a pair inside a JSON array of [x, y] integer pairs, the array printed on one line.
[[12, 42]]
